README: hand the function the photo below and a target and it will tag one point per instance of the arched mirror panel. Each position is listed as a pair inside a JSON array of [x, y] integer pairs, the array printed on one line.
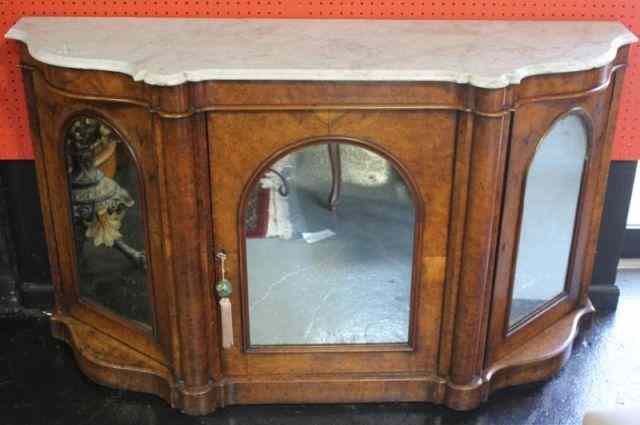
[[107, 219], [329, 236], [548, 216]]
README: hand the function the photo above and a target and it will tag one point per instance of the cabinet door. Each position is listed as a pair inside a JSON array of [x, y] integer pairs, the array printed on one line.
[[102, 203], [545, 243], [334, 227]]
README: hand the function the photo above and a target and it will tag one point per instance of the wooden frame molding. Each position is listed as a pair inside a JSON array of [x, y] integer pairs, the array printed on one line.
[[418, 203], [462, 151]]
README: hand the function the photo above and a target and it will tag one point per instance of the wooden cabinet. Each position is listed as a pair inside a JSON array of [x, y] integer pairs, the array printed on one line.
[[371, 240]]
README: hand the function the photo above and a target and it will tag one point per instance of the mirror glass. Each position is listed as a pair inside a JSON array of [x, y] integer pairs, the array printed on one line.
[[329, 231], [551, 196], [107, 220]]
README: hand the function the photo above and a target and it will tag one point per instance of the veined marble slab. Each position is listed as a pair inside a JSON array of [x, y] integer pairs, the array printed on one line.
[[171, 51]]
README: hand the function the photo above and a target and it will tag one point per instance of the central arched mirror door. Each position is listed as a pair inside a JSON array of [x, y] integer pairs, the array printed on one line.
[[329, 234], [330, 241]]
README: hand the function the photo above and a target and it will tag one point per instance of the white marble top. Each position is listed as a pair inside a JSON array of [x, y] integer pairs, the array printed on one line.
[[168, 51]]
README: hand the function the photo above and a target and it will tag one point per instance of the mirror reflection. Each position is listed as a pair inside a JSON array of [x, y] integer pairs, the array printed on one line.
[[551, 197], [329, 234], [107, 220]]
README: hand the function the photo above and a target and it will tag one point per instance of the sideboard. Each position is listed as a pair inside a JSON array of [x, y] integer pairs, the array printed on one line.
[[293, 211]]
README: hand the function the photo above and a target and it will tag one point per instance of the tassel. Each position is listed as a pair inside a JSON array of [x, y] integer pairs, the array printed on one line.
[[223, 287], [227, 323]]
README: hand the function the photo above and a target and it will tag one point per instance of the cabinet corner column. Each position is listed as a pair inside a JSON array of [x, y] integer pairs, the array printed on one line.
[[182, 153], [466, 387]]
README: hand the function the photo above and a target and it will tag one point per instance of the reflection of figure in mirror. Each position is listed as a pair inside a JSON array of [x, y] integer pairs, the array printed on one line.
[[99, 203], [107, 220], [318, 274]]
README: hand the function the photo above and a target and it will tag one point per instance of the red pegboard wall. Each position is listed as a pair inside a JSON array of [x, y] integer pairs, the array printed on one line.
[[14, 130]]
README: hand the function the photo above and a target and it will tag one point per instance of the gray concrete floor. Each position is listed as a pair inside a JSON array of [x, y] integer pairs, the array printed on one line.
[[41, 384], [353, 287]]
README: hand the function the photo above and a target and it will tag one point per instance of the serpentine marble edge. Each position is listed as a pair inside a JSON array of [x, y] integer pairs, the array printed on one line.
[[171, 51]]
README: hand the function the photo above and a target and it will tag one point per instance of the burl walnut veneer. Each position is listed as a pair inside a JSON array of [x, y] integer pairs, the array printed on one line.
[[195, 119]]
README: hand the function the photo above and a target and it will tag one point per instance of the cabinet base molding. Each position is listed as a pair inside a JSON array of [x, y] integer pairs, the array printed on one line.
[[543, 356], [111, 363], [114, 364]]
